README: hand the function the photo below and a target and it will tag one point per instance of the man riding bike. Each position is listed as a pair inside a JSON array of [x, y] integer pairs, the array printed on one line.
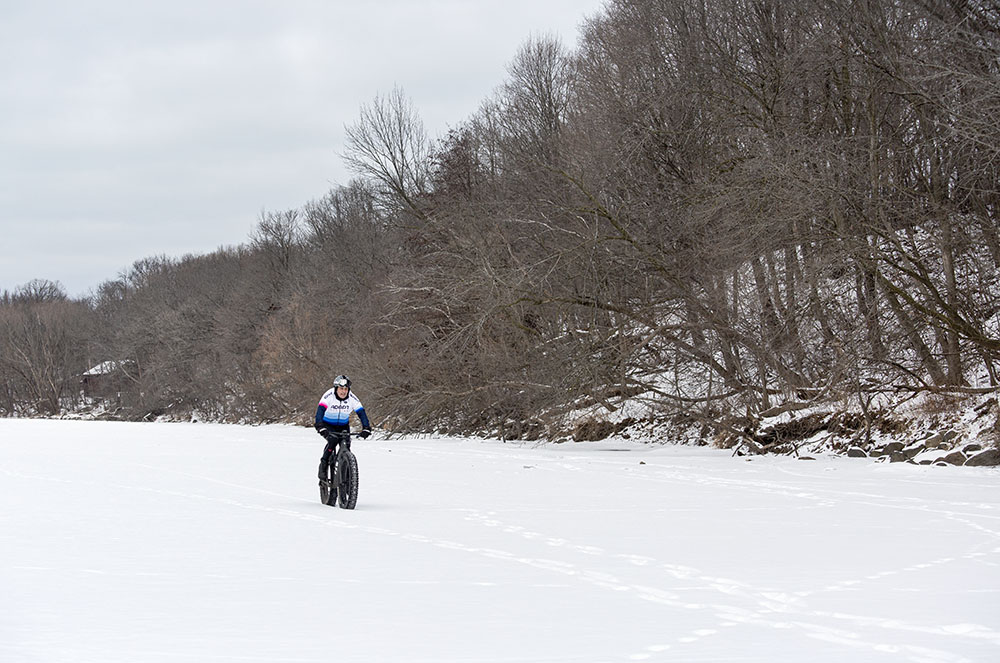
[[333, 416]]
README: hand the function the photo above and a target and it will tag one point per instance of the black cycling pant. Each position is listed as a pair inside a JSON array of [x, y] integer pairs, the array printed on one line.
[[328, 453]]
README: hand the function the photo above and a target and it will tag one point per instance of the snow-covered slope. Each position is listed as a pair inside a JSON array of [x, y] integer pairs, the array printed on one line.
[[179, 542]]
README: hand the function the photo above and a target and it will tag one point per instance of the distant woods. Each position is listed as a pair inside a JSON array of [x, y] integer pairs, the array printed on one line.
[[714, 206]]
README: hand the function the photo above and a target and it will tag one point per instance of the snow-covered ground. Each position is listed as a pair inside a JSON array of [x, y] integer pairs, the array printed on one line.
[[196, 542]]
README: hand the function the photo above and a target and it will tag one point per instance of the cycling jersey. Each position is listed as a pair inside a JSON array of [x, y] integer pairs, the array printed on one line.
[[336, 413]]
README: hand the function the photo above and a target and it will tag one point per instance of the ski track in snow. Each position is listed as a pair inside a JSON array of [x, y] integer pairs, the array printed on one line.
[[511, 537]]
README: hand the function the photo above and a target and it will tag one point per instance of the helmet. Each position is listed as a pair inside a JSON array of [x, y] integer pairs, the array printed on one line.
[[342, 381]]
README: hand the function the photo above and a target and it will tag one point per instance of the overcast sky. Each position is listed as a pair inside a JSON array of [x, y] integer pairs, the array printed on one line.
[[130, 128]]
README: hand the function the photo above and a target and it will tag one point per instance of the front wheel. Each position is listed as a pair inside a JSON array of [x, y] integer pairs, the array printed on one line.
[[347, 479]]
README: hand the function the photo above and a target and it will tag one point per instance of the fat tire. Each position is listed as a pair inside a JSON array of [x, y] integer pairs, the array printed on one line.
[[347, 475], [327, 496]]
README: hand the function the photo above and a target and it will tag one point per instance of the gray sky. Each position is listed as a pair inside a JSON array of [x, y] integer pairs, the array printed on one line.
[[130, 129]]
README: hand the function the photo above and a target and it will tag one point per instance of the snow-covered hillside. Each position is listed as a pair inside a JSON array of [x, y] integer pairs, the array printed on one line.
[[181, 542]]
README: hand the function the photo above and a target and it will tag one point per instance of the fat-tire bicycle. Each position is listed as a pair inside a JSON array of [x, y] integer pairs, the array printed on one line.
[[341, 485]]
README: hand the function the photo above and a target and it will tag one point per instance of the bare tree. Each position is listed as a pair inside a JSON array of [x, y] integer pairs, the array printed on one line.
[[43, 349], [388, 145]]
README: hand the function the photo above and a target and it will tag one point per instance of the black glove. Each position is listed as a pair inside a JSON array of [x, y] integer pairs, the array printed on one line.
[[364, 433]]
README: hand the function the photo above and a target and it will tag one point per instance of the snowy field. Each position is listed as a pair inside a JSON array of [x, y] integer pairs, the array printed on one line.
[[194, 542]]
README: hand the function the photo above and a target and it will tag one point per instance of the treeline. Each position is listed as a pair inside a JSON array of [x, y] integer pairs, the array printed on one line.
[[710, 205]]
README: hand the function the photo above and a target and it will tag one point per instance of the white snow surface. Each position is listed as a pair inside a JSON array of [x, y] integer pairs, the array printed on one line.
[[202, 542]]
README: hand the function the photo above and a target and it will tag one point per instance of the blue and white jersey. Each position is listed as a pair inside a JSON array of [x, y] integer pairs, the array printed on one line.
[[335, 412]]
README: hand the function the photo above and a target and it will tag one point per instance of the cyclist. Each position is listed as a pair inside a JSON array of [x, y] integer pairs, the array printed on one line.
[[333, 415]]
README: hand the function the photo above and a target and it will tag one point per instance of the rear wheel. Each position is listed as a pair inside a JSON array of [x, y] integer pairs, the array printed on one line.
[[347, 471], [326, 495]]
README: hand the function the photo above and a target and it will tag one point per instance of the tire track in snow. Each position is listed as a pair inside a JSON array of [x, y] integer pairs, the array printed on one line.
[[770, 603], [766, 608]]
